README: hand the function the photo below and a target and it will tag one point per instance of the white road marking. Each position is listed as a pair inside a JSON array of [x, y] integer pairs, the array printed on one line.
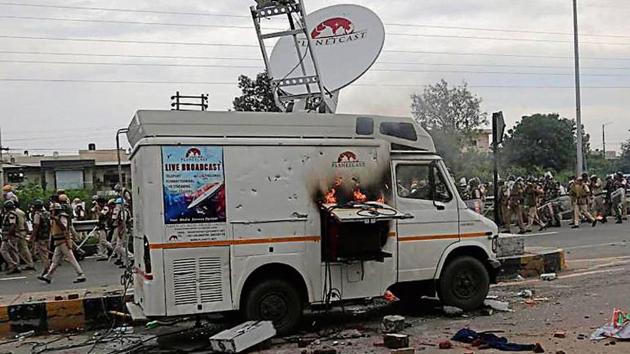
[[541, 234], [12, 278], [619, 243], [568, 276]]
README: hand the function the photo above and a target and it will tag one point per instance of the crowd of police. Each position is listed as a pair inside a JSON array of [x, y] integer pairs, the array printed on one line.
[[45, 230], [530, 201]]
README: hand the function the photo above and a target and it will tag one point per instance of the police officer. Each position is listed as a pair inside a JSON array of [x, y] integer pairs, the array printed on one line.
[[16, 231], [597, 197], [618, 196], [60, 234], [516, 203], [101, 212], [41, 234], [119, 223], [581, 193], [8, 241], [504, 202], [533, 193]]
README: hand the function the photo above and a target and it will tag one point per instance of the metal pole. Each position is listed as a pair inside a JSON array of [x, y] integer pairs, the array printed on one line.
[[578, 99], [120, 131], [604, 140], [496, 168], [1, 160]]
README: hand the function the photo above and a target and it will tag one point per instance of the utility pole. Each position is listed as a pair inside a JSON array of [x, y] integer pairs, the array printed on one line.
[[1, 160], [604, 140], [578, 98]]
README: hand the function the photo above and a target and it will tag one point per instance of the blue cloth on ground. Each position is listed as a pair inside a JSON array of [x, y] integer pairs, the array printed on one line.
[[466, 335]]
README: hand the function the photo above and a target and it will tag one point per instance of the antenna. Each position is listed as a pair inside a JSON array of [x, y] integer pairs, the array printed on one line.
[[177, 103], [315, 94], [343, 41]]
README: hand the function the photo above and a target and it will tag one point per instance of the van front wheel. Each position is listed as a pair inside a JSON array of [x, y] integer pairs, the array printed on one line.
[[274, 300], [464, 283]]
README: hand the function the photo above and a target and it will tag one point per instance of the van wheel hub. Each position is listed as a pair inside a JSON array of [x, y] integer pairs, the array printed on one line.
[[464, 284], [273, 307]]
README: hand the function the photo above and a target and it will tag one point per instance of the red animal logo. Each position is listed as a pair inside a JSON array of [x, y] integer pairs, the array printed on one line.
[[193, 152], [347, 156], [336, 26]]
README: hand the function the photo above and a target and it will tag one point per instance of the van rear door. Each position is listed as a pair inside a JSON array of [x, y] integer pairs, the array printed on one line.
[[422, 190]]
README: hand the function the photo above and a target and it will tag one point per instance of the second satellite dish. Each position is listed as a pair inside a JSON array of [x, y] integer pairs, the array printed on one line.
[[347, 40]]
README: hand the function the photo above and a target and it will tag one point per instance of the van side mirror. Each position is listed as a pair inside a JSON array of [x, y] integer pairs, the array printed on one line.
[[438, 205]]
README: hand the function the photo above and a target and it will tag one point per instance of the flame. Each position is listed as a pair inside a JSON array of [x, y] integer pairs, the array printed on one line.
[[381, 198], [330, 196], [359, 197]]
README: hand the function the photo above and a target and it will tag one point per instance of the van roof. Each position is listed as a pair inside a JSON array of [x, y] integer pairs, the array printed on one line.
[[402, 132]]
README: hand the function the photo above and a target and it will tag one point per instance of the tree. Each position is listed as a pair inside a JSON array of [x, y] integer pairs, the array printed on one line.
[[623, 164], [453, 116], [257, 95], [543, 141]]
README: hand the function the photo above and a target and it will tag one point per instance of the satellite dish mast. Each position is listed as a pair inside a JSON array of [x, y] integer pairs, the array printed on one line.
[[330, 49]]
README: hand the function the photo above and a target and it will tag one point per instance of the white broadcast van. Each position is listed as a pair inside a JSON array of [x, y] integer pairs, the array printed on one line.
[[268, 213]]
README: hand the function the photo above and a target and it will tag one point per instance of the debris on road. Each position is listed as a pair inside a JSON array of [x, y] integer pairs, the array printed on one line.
[[395, 341], [525, 294], [445, 344], [485, 339], [549, 276], [393, 324], [242, 337], [618, 328], [403, 351], [496, 305], [560, 334], [452, 311]]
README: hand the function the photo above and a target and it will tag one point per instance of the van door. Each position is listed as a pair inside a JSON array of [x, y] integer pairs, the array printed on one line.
[[422, 190]]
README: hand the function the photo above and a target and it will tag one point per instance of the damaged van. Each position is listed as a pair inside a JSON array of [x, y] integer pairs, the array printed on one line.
[[270, 213]]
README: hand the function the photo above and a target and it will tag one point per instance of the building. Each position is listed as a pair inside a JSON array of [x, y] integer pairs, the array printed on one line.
[[91, 169], [481, 141]]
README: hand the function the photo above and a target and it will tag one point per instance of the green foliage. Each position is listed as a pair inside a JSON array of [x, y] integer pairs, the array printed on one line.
[[623, 164], [257, 95], [452, 115], [29, 192], [543, 141]]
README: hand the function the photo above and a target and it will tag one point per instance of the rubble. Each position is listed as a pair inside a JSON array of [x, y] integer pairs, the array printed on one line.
[[496, 305], [525, 294], [560, 334], [395, 341], [452, 311], [393, 324], [242, 337], [403, 351], [445, 344], [549, 276]]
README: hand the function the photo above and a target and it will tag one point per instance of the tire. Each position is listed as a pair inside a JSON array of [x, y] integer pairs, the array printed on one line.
[[274, 300], [464, 283]]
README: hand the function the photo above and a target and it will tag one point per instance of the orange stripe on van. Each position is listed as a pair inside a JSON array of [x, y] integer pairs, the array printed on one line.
[[441, 237], [249, 241]]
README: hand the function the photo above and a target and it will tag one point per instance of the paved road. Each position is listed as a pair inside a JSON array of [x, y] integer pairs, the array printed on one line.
[[98, 274], [604, 240], [609, 240]]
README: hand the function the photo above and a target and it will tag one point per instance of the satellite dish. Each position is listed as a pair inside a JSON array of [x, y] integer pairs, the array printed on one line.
[[347, 40]]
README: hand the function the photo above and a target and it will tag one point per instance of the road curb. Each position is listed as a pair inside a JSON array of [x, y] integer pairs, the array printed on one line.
[[59, 311], [532, 263]]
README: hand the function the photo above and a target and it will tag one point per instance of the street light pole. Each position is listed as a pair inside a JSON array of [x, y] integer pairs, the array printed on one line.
[[578, 99]]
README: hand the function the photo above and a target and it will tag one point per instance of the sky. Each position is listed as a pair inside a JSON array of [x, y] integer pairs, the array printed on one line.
[[517, 55]]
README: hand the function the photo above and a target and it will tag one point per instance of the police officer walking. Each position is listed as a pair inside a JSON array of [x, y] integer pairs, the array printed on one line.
[[60, 234], [15, 231], [41, 234]]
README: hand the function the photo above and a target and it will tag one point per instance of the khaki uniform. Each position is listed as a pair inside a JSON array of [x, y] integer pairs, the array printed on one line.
[[532, 195], [16, 247], [120, 218], [8, 247], [516, 204], [60, 234], [581, 194], [41, 238]]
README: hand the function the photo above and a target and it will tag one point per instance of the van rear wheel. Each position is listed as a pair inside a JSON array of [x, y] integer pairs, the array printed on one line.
[[464, 283], [274, 300]]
